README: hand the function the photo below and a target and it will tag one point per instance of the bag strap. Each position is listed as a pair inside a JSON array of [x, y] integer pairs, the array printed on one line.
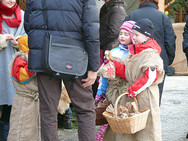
[[44, 12]]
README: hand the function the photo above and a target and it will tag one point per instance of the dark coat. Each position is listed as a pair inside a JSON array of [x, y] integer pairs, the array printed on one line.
[[76, 19], [112, 15], [185, 39], [163, 30]]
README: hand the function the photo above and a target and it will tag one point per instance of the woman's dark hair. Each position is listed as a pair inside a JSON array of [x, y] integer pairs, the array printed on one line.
[[147, 1]]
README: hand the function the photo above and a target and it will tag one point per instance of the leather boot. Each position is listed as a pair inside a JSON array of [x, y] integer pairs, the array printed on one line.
[[4, 129], [64, 121]]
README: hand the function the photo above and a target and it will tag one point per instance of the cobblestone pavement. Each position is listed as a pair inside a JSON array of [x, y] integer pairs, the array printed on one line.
[[174, 111]]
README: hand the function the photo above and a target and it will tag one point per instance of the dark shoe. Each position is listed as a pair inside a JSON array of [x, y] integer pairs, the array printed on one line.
[[64, 121], [170, 71], [187, 136], [4, 129]]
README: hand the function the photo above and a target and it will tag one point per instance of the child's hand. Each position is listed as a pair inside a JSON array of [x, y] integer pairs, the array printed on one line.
[[107, 61], [131, 95], [108, 57], [15, 41], [99, 98]]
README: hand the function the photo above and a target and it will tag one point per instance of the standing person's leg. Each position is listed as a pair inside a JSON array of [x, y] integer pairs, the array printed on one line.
[[83, 103], [6, 110], [161, 85], [101, 57], [95, 87], [4, 122], [96, 84], [49, 95]]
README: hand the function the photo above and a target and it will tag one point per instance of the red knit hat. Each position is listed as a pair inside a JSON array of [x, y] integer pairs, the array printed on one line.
[[127, 25]]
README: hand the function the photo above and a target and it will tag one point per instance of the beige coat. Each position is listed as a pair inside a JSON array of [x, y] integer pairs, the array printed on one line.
[[149, 98], [64, 101], [116, 86], [24, 119]]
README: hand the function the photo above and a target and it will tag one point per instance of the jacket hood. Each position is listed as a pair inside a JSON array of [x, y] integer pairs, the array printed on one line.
[[152, 4], [114, 2], [137, 48], [19, 68]]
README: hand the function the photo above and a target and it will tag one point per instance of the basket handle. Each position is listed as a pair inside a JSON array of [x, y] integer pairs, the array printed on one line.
[[116, 103]]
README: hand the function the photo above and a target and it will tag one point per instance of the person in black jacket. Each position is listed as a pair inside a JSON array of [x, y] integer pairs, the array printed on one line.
[[185, 45], [163, 32], [112, 15], [185, 40], [76, 19]]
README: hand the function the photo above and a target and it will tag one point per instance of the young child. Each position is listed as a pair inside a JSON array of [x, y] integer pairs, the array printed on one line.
[[143, 69], [118, 53], [111, 89], [24, 119]]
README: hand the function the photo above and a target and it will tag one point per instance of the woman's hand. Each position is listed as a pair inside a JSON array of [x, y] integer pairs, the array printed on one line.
[[15, 42], [9, 37]]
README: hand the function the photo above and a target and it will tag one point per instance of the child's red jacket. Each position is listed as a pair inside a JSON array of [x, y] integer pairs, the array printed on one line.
[[151, 73]]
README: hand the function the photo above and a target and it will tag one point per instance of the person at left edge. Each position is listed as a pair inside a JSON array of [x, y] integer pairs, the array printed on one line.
[[11, 27], [185, 45]]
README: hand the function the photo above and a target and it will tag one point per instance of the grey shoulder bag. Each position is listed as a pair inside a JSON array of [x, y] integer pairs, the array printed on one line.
[[63, 57]]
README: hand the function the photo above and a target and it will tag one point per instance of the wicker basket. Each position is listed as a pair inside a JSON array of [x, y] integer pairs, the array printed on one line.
[[128, 125], [100, 119]]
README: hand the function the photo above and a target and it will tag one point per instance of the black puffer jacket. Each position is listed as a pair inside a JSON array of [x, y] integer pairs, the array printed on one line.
[[163, 30], [112, 15], [185, 39], [76, 19]]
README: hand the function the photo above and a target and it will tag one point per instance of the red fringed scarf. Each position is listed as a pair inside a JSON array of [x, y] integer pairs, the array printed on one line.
[[14, 22]]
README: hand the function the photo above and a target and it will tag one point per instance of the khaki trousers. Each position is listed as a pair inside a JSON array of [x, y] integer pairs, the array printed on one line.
[[82, 101]]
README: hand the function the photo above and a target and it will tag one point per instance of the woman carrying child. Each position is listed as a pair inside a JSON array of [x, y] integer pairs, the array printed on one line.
[[143, 69], [112, 88]]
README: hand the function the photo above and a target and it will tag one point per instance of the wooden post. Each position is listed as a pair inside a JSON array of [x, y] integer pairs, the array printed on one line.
[[161, 5], [180, 16]]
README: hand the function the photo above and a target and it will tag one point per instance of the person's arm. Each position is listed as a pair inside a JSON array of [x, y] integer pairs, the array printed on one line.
[[185, 40], [101, 92], [120, 69], [169, 39], [91, 34], [4, 38], [150, 76], [115, 20], [91, 40], [3, 42], [26, 16]]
